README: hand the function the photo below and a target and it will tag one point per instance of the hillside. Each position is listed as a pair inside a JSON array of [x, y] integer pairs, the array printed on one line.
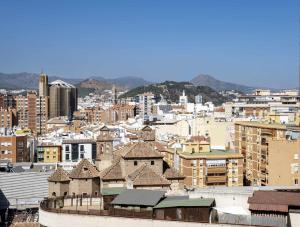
[[218, 85], [95, 86], [26, 80], [172, 90]]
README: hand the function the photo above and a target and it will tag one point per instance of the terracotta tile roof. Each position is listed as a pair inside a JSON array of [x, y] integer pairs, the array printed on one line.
[[159, 146], [140, 150], [83, 170], [147, 176], [172, 173], [273, 200], [114, 172], [59, 175]]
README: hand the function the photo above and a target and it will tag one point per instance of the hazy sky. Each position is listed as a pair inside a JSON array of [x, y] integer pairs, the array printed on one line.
[[252, 42]]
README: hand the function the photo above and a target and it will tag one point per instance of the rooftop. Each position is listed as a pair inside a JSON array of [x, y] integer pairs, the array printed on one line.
[[139, 197], [201, 202]]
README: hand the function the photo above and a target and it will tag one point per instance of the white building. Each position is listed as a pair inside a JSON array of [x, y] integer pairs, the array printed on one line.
[[73, 150], [183, 99]]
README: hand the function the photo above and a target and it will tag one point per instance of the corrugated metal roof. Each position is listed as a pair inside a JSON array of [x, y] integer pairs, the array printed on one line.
[[26, 187], [139, 197], [186, 203]]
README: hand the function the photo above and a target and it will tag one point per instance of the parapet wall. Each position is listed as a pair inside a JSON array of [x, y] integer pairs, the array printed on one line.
[[50, 219]]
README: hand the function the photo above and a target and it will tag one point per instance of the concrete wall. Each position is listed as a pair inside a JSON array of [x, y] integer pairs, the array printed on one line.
[[62, 220]]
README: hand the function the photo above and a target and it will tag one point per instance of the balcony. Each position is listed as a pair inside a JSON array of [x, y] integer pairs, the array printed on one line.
[[216, 179], [216, 169]]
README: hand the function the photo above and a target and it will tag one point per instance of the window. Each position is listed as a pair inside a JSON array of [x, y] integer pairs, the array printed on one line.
[[67, 156], [81, 156], [296, 181], [81, 147], [152, 163], [67, 148], [296, 156], [135, 163], [65, 193]]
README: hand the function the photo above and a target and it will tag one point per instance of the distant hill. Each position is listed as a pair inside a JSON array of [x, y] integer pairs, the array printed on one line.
[[26, 80], [171, 91], [95, 86], [218, 85]]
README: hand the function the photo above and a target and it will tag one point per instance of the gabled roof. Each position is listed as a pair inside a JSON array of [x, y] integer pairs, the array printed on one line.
[[104, 128], [146, 175], [59, 175], [113, 172], [140, 150], [83, 170], [167, 203], [273, 200], [139, 197]]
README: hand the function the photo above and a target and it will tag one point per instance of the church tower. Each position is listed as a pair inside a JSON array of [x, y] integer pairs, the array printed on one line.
[[104, 148]]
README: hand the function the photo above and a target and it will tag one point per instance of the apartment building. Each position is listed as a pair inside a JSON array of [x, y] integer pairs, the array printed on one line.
[[77, 149], [146, 102], [14, 148], [203, 166], [255, 141], [282, 166], [48, 153], [32, 112], [93, 115], [8, 117]]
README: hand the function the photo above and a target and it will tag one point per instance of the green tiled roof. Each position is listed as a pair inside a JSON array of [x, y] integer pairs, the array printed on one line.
[[112, 191], [185, 203]]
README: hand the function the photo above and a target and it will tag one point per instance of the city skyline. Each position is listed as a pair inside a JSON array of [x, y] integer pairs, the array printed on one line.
[[251, 43]]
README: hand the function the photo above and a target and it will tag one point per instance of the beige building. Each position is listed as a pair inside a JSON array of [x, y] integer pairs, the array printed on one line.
[[199, 126], [43, 85], [257, 142], [203, 166], [282, 166], [83, 180]]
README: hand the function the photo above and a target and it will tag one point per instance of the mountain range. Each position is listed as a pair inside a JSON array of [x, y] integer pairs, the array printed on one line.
[[26, 80]]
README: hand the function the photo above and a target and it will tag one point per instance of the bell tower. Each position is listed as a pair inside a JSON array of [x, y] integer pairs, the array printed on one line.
[[104, 148]]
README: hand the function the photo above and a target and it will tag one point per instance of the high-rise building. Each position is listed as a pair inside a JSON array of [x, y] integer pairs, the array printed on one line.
[[63, 99], [43, 85], [8, 117], [32, 112], [146, 102], [114, 95]]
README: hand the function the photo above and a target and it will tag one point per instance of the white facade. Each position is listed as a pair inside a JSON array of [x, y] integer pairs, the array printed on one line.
[[74, 152]]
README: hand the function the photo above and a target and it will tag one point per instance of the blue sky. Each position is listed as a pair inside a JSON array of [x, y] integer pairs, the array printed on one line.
[[252, 42]]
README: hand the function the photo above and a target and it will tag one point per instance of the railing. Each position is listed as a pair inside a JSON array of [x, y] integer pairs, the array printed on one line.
[[86, 206]]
